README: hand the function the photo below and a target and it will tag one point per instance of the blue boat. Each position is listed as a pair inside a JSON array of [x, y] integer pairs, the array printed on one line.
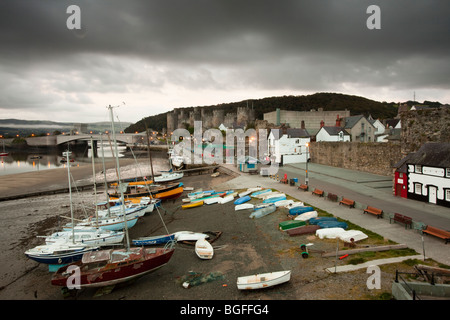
[[260, 192], [147, 241], [320, 219], [299, 210], [242, 200], [332, 224], [275, 199]]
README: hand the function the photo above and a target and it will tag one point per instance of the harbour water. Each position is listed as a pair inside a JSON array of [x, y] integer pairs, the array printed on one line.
[[19, 161]]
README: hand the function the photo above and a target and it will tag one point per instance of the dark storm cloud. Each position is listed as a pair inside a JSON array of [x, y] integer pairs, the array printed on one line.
[[229, 44]]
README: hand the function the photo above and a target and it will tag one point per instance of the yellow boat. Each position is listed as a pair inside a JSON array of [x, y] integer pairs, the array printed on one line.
[[192, 205]]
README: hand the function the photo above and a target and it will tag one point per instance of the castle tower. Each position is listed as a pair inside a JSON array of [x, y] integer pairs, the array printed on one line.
[[218, 118]]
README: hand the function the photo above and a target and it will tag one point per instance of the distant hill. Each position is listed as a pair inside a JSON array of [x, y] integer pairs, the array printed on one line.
[[12, 127], [328, 101]]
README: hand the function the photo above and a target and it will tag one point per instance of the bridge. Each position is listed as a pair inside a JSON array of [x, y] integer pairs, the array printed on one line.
[[49, 141]]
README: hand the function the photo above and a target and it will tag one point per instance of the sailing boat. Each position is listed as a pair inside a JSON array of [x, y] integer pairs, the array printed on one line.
[[3, 153], [109, 267], [61, 252]]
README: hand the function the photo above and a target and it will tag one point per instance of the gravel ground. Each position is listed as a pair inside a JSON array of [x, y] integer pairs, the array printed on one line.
[[246, 246]]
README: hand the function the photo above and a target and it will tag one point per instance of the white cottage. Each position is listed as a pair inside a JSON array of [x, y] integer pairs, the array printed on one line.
[[429, 174], [290, 147], [333, 134]]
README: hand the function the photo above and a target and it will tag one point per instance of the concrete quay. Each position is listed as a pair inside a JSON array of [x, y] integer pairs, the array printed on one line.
[[365, 189]]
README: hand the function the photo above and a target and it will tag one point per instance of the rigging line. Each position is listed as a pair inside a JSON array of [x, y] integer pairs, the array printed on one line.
[[146, 186], [135, 160]]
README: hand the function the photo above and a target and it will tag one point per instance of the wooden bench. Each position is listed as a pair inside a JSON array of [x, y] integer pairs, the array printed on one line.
[[374, 211], [437, 233], [304, 187], [407, 221], [318, 192], [348, 202]]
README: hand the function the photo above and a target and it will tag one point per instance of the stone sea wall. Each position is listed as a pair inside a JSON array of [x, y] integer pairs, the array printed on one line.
[[377, 158]]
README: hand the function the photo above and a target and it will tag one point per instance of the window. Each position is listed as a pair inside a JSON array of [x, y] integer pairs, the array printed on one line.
[[447, 194], [447, 172], [418, 168], [417, 188]]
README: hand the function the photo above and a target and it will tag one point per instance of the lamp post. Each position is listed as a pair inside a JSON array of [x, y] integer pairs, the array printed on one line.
[[307, 156]]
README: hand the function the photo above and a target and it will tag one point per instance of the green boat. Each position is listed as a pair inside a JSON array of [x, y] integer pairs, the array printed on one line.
[[285, 225]]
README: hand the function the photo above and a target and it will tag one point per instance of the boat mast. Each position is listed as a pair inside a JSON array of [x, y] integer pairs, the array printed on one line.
[[70, 194], [104, 176], [119, 178], [93, 176]]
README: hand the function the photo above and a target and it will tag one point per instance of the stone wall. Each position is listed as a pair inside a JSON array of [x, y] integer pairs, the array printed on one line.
[[421, 126], [377, 158]]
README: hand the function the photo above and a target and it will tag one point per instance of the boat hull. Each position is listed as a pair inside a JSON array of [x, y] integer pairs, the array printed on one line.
[[285, 225], [192, 205], [170, 194], [147, 241], [262, 212], [203, 249], [100, 277], [58, 258], [264, 280]]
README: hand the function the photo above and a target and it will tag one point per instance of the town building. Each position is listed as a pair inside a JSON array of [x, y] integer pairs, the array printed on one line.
[[359, 128], [291, 147], [332, 134], [428, 174]]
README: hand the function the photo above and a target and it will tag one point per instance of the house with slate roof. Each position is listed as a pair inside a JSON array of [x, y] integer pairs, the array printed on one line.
[[428, 173], [333, 134], [288, 145], [360, 128]]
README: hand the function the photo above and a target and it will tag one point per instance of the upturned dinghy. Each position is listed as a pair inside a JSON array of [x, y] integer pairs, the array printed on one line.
[[285, 225], [283, 203], [242, 200], [204, 249], [275, 199], [320, 219], [243, 206], [189, 236], [262, 212], [254, 194], [192, 205], [306, 216], [249, 190], [299, 210], [263, 280]]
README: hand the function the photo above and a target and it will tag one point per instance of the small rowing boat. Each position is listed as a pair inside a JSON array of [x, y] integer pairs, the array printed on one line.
[[204, 249], [263, 280], [192, 205]]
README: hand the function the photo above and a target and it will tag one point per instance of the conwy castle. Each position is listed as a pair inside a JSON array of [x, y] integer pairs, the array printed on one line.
[[211, 118]]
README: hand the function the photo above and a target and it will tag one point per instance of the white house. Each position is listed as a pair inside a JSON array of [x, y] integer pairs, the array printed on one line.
[[333, 134], [429, 174], [291, 147]]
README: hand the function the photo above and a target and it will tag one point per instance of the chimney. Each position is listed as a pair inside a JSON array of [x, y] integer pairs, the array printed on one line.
[[303, 124], [338, 121], [322, 123]]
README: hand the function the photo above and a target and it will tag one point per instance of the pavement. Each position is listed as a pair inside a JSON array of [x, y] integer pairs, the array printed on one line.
[[365, 189]]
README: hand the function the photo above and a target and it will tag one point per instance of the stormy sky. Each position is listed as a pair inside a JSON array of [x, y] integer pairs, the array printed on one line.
[[155, 55]]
